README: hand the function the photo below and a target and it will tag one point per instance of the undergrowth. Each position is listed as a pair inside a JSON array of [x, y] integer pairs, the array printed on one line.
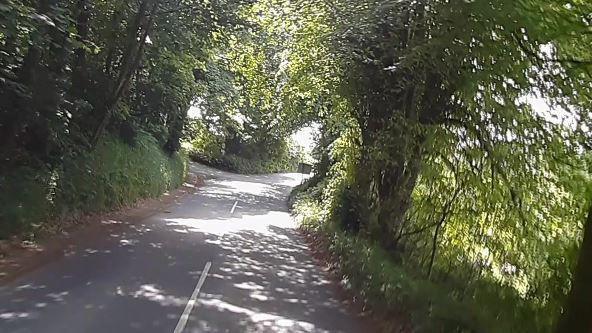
[[112, 175], [393, 286]]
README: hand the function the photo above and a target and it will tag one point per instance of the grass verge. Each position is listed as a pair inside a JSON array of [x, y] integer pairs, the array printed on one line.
[[112, 175]]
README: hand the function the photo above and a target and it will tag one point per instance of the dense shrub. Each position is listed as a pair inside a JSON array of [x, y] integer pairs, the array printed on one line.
[[237, 156], [113, 175], [391, 286]]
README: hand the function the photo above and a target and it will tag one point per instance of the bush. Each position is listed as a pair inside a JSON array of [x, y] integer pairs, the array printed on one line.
[[203, 144], [230, 152], [112, 175], [393, 287]]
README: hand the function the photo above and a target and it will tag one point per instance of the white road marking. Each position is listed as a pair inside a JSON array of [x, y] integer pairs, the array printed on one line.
[[185, 316], [233, 207]]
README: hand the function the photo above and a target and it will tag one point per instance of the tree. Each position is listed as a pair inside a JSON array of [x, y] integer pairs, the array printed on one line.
[[75, 70], [428, 95], [577, 315]]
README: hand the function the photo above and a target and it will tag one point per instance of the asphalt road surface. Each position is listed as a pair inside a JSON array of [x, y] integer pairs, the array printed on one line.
[[225, 259]]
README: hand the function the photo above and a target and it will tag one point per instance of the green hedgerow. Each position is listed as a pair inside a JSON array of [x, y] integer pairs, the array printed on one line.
[[112, 175]]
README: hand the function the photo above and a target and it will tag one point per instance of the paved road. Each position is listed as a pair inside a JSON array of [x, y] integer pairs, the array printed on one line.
[[232, 246]]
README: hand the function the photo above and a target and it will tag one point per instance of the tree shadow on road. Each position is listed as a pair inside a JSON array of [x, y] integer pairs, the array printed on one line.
[[268, 282], [138, 276]]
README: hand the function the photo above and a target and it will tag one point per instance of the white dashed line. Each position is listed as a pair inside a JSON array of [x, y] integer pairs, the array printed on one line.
[[233, 207], [185, 316]]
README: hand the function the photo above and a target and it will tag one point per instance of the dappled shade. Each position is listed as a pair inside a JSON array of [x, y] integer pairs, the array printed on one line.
[[139, 277]]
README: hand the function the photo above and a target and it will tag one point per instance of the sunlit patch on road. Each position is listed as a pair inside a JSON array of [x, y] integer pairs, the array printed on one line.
[[221, 227]]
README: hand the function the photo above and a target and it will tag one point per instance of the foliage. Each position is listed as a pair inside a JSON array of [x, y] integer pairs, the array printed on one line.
[[440, 147], [75, 77], [389, 286], [74, 70], [111, 176], [247, 108], [208, 149], [203, 142]]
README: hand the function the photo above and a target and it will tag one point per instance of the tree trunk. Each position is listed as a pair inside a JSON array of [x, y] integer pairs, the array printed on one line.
[[434, 247], [447, 209], [41, 70], [79, 70], [112, 42], [131, 60], [577, 314]]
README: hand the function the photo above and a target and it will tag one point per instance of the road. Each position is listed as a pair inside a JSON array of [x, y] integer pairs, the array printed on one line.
[[224, 259]]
